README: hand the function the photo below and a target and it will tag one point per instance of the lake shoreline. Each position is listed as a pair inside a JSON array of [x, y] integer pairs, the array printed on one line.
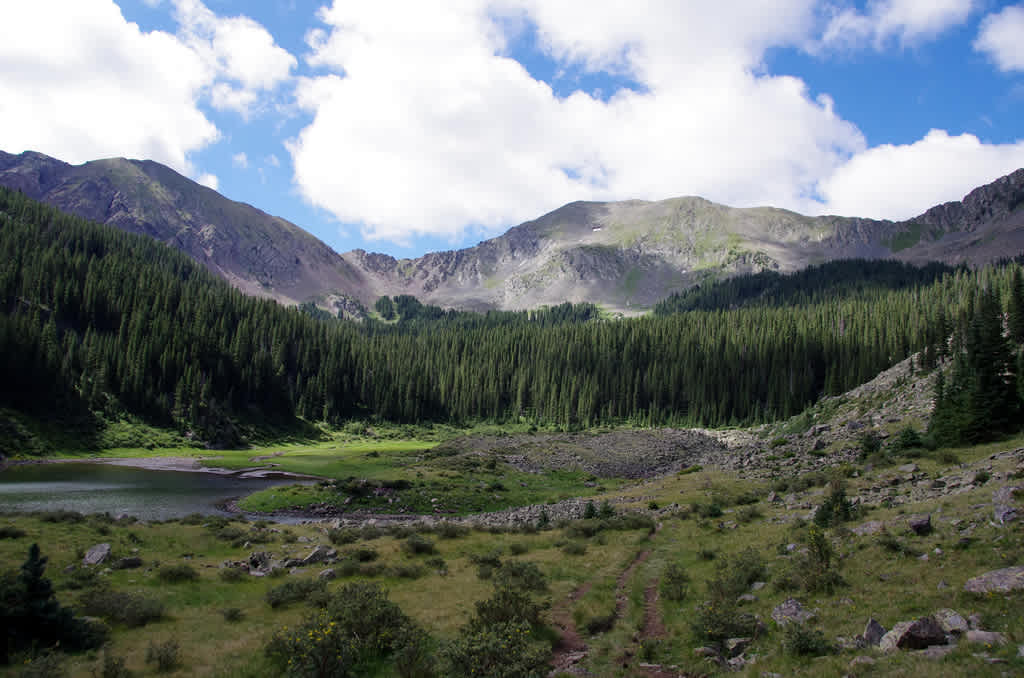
[[180, 464]]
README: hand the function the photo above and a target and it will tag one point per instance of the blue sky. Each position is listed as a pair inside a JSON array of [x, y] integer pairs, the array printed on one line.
[[406, 126]]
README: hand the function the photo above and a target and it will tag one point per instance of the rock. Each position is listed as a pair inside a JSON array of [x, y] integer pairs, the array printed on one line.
[[861, 660], [974, 621], [991, 638], [737, 663], [708, 652], [951, 621], [913, 635], [129, 563], [997, 581], [870, 527], [319, 555], [920, 524], [747, 598], [908, 468], [259, 561], [1003, 510], [757, 585], [773, 497], [791, 611], [736, 646], [1020, 650], [873, 632], [936, 651], [327, 574], [96, 555]]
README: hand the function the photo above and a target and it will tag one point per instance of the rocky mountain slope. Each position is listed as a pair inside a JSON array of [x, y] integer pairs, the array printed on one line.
[[258, 253], [629, 255], [625, 256]]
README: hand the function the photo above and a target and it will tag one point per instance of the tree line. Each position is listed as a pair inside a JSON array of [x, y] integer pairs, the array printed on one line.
[[95, 320]]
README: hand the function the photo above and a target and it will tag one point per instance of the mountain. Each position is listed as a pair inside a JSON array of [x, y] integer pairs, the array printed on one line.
[[258, 253], [625, 256], [629, 255]]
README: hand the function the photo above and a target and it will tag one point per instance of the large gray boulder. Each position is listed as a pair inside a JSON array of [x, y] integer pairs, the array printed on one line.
[[951, 621], [997, 581], [96, 555], [873, 632], [913, 635], [792, 610], [319, 554]]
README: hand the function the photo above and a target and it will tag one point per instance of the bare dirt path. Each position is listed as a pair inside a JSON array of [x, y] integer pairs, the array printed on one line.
[[571, 648]]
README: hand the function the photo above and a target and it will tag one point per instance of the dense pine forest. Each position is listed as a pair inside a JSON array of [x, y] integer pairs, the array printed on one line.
[[99, 323]]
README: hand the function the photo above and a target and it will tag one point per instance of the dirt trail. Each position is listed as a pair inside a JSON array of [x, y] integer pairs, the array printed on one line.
[[571, 648]]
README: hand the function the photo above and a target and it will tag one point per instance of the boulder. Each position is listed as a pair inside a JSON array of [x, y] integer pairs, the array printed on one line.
[[792, 610], [951, 621], [920, 524], [870, 527], [1003, 509], [908, 468], [736, 646], [129, 563], [96, 555], [873, 632], [913, 635], [319, 554], [991, 638], [997, 581], [327, 574]]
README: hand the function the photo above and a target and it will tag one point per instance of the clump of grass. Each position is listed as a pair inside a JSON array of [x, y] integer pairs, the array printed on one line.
[[232, 574], [175, 574], [293, 591], [416, 545], [232, 614], [131, 609], [165, 655], [574, 548], [802, 640]]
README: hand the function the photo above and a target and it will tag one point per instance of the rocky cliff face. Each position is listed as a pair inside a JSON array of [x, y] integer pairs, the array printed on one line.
[[625, 256]]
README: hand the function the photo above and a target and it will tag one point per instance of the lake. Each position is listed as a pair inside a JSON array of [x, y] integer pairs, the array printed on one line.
[[105, 488]]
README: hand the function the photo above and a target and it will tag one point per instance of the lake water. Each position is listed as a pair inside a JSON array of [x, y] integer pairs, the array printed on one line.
[[143, 493]]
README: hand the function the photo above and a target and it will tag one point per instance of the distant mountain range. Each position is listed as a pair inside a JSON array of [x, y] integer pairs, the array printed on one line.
[[624, 256]]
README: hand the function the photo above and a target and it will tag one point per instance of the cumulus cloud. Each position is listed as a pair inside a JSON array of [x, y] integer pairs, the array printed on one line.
[[906, 21], [1002, 38], [241, 51], [208, 180], [240, 160], [425, 126], [100, 87], [898, 182]]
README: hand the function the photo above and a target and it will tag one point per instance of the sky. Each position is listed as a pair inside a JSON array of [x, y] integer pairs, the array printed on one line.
[[408, 126]]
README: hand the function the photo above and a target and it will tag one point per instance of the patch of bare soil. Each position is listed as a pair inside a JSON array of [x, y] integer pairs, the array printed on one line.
[[571, 648]]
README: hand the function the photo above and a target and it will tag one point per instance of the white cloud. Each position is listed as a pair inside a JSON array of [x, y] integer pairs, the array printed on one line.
[[240, 160], [1002, 38], [272, 160], [907, 21], [424, 127], [898, 182], [79, 82], [208, 180], [241, 51]]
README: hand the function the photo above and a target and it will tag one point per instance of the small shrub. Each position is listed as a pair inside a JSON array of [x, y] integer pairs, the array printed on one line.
[[705, 553], [709, 510], [175, 574], [748, 514], [500, 651], [294, 590], [112, 666], [778, 442], [606, 510], [870, 443], [836, 509], [438, 563], [165, 655], [982, 477], [131, 609], [418, 545], [232, 574], [363, 555], [406, 571], [341, 536], [518, 548], [48, 665], [575, 548], [718, 619], [675, 582], [451, 531], [416, 657], [652, 505], [600, 623], [589, 511], [232, 614], [521, 576], [61, 516], [484, 571], [894, 544], [801, 640], [11, 532]]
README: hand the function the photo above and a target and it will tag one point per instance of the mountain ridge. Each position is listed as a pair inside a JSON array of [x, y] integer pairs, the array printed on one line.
[[624, 255]]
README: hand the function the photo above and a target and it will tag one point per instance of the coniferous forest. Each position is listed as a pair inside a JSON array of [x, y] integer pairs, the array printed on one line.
[[97, 322]]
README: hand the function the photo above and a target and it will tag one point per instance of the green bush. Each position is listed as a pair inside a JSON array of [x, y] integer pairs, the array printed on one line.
[[341, 535], [416, 544], [112, 666], [363, 555], [232, 574], [47, 665], [232, 614], [451, 530], [522, 576], [131, 609], [508, 605], [166, 655], [506, 650], [175, 574], [675, 582], [836, 509], [574, 548], [589, 511], [801, 640], [11, 532], [294, 590]]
